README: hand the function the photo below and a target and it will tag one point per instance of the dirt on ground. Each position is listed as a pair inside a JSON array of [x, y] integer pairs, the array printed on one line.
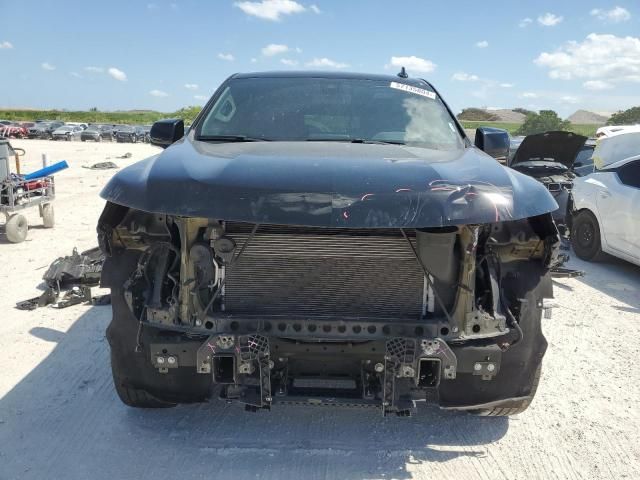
[[60, 417]]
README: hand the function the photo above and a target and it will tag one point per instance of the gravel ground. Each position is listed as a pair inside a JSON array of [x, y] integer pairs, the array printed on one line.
[[60, 418]]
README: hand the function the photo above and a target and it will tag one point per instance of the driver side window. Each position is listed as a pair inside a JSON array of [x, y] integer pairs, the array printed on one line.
[[629, 174]]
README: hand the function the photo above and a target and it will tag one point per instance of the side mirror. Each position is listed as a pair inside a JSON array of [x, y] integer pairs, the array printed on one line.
[[166, 132], [493, 141]]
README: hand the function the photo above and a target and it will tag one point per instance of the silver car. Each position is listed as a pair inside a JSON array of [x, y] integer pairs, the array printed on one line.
[[67, 132]]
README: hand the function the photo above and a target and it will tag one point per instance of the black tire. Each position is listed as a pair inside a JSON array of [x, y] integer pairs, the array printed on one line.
[[512, 408], [585, 236], [134, 397], [16, 228]]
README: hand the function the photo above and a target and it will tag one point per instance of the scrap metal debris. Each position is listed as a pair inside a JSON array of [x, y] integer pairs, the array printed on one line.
[[69, 281], [101, 166]]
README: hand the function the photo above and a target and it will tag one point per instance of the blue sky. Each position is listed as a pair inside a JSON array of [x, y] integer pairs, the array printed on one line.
[[163, 55]]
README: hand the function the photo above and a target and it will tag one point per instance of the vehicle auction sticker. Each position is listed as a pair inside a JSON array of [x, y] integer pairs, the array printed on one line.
[[411, 89]]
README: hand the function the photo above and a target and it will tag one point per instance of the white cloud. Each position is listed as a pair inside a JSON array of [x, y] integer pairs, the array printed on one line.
[[464, 77], [529, 95], [482, 44], [315, 9], [270, 9], [288, 62], [226, 56], [75, 74], [191, 86], [152, 6], [158, 93], [525, 22], [506, 85], [569, 99], [413, 63], [598, 57], [6, 45], [274, 49], [254, 60], [117, 74], [615, 15], [597, 85], [200, 97], [549, 20], [94, 69], [326, 63], [47, 66]]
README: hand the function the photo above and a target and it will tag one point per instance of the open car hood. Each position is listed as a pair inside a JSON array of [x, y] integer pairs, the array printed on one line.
[[560, 147], [328, 184]]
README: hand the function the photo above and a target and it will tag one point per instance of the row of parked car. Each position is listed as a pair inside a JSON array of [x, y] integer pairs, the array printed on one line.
[[57, 130], [596, 184]]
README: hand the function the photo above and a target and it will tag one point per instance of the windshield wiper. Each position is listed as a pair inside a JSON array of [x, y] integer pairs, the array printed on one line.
[[356, 140], [231, 138]]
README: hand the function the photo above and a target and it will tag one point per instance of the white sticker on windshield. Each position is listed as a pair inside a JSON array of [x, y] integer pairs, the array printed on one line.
[[408, 88]]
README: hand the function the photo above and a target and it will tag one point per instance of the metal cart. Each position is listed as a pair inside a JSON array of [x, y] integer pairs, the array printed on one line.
[[17, 194]]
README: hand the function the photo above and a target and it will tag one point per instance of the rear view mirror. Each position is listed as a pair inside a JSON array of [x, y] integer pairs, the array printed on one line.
[[494, 142], [166, 132]]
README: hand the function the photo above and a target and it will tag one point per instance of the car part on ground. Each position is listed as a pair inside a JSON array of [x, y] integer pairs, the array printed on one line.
[[304, 262], [548, 157], [604, 204], [101, 166], [69, 280]]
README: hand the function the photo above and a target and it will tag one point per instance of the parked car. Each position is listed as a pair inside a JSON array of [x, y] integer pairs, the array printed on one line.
[[67, 132], [613, 130], [44, 130], [514, 144], [606, 213], [130, 134], [327, 238], [96, 133], [13, 130], [549, 157], [583, 163]]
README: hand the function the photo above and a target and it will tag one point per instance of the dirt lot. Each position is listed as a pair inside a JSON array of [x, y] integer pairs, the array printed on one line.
[[60, 418]]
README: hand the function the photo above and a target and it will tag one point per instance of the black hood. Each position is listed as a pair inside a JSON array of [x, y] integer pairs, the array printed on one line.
[[562, 147], [328, 184]]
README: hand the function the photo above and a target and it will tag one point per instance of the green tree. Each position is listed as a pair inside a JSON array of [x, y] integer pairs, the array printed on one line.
[[188, 114], [524, 111], [628, 117], [545, 121]]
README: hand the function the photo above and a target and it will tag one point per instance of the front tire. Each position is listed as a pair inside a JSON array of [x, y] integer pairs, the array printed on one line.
[[585, 236], [134, 397], [17, 228], [48, 215], [513, 408]]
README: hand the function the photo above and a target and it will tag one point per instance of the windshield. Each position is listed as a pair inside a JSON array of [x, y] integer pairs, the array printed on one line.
[[329, 109]]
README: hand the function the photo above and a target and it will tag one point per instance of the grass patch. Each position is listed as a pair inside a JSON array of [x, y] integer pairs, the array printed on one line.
[[133, 117]]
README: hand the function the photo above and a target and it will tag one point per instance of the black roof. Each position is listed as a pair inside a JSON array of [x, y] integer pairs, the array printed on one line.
[[322, 74]]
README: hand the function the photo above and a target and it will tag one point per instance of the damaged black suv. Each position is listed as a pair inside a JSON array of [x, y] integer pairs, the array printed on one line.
[[327, 239]]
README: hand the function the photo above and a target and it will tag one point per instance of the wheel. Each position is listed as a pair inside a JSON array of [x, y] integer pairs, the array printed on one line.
[[17, 228], [513, 408], [585, 236], [136, 398], [83, 139], [134, 139], [48, 216], [99, 138], [68, 138]]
